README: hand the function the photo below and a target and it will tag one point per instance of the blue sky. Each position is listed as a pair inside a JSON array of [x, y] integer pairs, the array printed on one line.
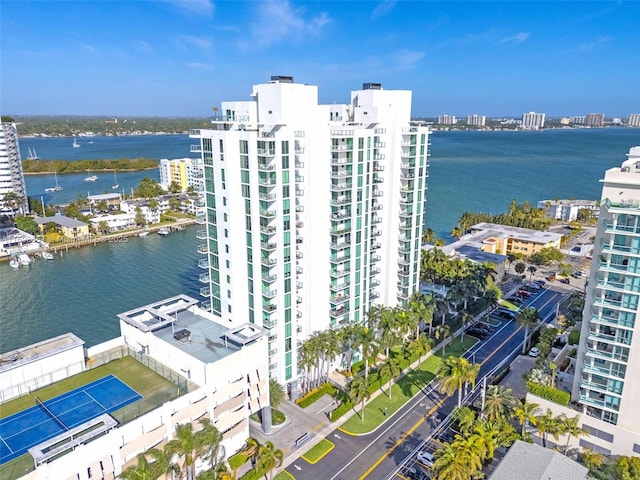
[[182, 57]]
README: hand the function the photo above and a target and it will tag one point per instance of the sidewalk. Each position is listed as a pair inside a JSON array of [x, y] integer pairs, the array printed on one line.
[[314, 419]]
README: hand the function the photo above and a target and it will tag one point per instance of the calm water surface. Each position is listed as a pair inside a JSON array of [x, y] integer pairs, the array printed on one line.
[[83, 291]]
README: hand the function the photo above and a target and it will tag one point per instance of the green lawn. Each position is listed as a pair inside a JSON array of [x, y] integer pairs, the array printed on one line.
[[381, 407], [284, 475], [315, 453]]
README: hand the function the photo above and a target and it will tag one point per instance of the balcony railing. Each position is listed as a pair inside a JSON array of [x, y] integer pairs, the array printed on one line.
[[203, 263], [204, 278], [268, 262], [203, 249], [205, 292], [268, 246], [269, 278]]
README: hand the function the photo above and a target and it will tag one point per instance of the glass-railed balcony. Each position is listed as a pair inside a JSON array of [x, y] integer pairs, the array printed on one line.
[[406, 213], [374, 283], [266, 167], [341, 161], [338, 287], [340, 200], [601, 401], [377, 179], [269, 197], [268, 229], [375, 258], [404, 261], [338, 299], [374, 295], [377, 167], [205, 292], [374, 271], [203, 263], [336, 273], [341, 173], [620, 338], [269, 293], [376, 206], [406, 199], [341, 186], [376, 219], [204, 278], [339, 245], [375, 245], [267, 182], [269, 278], [613, 319], [268, 262], [201, 234], [611, 227], [269, 246], [203, 249], [344, 214], [607, 353], [266, 152], [376, 193], [341, 228], [375, 232], [337, 259], [339, 310], [614, 370]]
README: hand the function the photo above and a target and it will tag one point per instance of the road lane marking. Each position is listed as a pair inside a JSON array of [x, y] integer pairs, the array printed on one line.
[[402, 438]]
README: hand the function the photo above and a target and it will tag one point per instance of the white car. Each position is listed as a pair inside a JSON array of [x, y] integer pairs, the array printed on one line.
[[426, 458], [534, 352]]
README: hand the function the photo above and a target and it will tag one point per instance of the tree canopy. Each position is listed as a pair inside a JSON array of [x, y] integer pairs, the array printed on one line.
[[519, 215]]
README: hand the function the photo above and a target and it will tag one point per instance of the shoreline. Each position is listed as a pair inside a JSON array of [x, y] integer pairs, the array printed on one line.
[[84, 171]]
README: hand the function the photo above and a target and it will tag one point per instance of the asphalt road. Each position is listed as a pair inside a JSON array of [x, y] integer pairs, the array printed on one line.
[[379, 455]]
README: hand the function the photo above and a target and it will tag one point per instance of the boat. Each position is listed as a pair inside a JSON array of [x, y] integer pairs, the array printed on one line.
[[32, 154], [47, 255], [115, 181], [143, 233], [24, 259], [164, 231], [14, 263], [90, 178], [57, 188], [75, 143]]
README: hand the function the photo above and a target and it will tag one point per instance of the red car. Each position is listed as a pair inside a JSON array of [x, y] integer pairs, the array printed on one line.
[[523, 294]]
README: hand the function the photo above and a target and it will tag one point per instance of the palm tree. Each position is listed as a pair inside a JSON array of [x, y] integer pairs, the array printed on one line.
[[547, 424], [570, 427], [520, 268], [359, 392], [449, 464], [465, 318], [208, 441], [163, 463], [525, 412], [391, 369], [269, 458], [457, 372], [511, 258], [420, 345], [276, 393], [143, 470], [443, 331], [527, 318], [186, 445], [428, 235], [465, 417], [531, 270], [499, 403], [366, 340], [487, 437], [441, 305]]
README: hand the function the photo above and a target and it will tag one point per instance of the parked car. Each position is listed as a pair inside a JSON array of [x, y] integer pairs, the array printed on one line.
[[476, 333], [533, 285], [507, 314], [565, 280], [542, 283], [446, 436], [523, 294], [425, 458], [416, 474], [482, 326], [534, 352], [515, 300]]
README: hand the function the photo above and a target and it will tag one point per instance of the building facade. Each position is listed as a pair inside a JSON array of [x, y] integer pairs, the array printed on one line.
[[313, 212], [447, 120], [476, 120], [533, 120], [608, 361], [186, 172], [594, 120], [11, 176], [504, 239], [567, 210], [634, 120]]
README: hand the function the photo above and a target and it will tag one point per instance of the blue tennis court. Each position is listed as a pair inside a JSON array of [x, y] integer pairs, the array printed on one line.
[[32, 426]]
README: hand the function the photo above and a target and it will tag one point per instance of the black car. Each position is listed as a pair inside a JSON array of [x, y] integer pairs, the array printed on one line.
[[446, 437], [507, 314], [482, 326], [516, 300], [476, 333]]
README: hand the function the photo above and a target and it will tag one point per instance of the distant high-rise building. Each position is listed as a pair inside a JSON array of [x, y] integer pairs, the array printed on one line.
[[594, 120], [447, 120], [476, 120], [313, 212], [186, 172], [11, 176], [634, 120], [533, 120], [578, 120]]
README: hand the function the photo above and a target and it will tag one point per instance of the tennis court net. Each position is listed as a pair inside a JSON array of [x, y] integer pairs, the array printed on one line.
[[50, 413]]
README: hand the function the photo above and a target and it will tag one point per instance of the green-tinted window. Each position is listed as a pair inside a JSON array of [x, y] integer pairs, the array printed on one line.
[[252, 318], [360, 171], [285, 177], [287, 344], [244, 146], [361, 143], [285, 147], [288, 373], [287, 330], [287, 285], [287, 358], [287, 300], [358, 250], [285, 191], [285, 162], [245, 191], [287, 315], [360, 179], [286, 206], [244, 176]]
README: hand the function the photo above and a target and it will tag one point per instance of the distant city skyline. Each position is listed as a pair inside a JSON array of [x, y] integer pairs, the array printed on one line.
[[182, 57]]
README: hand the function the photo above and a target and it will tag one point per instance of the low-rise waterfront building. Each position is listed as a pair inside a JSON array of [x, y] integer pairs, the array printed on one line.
[[112, 199], [205, 369], [503, 239], [567, 210], [14, 240], [70, 228], [114, 222]]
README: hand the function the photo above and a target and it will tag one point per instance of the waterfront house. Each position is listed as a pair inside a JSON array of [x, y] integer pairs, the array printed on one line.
[[70, 228]]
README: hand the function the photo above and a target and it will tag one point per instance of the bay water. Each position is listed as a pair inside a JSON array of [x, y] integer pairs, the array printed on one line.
[[83, 290]]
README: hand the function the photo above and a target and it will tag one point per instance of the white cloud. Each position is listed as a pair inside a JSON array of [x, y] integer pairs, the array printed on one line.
[[584, 47], [382, 9], [517, 38], [197, 41], [278, 20], [406, 60], [196, 7], [199, 65]]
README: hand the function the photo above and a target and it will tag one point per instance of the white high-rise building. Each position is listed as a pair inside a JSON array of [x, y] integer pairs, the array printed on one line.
[[607, 377], [533, 120], [447, 120], [634, 120], [476, 120], [314, 212], [11, 176]]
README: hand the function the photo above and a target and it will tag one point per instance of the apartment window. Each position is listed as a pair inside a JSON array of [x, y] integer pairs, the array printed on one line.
[[226, 233], [244, 176], [361, 143], [245, 191], [594, 432], [226, 248], [224, 201], [286, 206], [221, 147], [592, 446], [636, 448], [285, 191], [287, 344], [244, 146]]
